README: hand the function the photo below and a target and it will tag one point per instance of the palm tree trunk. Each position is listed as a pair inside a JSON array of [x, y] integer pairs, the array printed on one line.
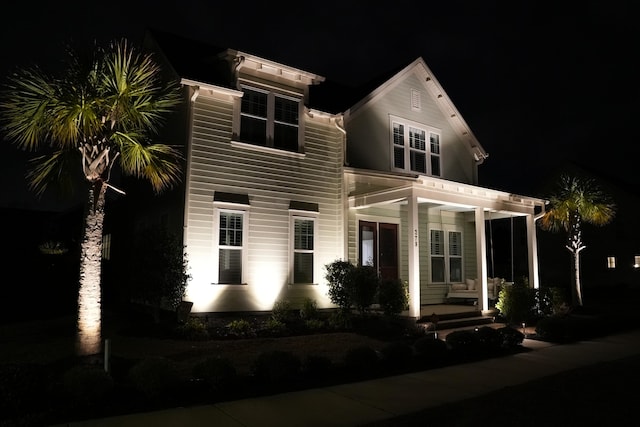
[[89, 339], [578, 282], [577, 291]]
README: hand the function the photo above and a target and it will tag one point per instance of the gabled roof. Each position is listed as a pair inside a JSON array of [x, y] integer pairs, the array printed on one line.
[[419, 67], [191, 59], [196, 61]]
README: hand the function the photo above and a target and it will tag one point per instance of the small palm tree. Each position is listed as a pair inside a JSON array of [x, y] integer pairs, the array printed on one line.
[[577, 200], [101, 111]]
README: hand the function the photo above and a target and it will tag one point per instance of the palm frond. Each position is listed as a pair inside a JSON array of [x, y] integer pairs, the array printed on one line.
[[160, 164], [57, 169]]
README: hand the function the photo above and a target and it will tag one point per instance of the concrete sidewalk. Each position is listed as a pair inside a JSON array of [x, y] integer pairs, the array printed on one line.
[[369, 401]]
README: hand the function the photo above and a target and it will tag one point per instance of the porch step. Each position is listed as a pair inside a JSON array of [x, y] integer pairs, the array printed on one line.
[[463, 323], [458, 320]]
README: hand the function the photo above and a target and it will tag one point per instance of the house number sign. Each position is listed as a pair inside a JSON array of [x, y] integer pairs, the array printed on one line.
[[415, 237]]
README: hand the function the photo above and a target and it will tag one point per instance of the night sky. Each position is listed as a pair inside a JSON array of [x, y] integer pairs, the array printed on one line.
[[539, 84]]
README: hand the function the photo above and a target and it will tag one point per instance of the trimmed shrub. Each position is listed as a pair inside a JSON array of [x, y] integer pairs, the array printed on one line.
[[397, 355], [275, 327], [489, 339], [217, 372], [364, 282], [316, 366], [361, 360], [511, 337], [193, 329], [309, 310], [337, 276], [430, 349], [241, 328], [517, 302], [283, 312], [463, 341], [340, 320], [154, 376], [22, 388], [276, 366], [314, 324], [87, 384], [393, 296]]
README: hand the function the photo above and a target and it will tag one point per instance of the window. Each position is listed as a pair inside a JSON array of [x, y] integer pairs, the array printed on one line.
[[410, 150], [636, 261], [303, 248], [230, 247], [269, 120], [611, 262], [446, 256]]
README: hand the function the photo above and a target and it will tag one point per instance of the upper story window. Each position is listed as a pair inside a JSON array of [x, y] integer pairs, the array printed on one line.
[[270, 120], [411, 153]]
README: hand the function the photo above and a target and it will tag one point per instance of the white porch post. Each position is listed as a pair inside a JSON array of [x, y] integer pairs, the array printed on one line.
[[481, 258], [532, 250], [414, 256]]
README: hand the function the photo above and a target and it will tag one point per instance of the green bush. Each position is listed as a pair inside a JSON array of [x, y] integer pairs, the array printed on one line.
[[489, 339], [283, 312], [314, 324], [23, 387], [340, 320], [430, 349], [569, 328], [275, 327], [241, 328], [511, 337], [87, 384], [155, 376], [393, 296], [276, 366], [517, 302], [309, 309], [397, 355], [361, 360], [463, 340], [364, 283], [337, 276], [218, 372], [316, 366], [193, 329]]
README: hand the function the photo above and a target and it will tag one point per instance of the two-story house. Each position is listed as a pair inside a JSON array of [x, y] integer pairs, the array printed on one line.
[[286, 172]]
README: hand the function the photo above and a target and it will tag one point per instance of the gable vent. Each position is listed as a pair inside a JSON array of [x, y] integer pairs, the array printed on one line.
[[416, 104]]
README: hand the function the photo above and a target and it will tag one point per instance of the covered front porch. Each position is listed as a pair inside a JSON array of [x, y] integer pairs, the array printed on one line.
[[424, 231]]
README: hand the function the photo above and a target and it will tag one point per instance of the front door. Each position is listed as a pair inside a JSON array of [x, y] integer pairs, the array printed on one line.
[[378, 247]]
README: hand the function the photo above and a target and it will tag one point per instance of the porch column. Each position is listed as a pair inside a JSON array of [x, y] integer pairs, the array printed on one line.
[[481, 258], [414, 256], [532, 250]]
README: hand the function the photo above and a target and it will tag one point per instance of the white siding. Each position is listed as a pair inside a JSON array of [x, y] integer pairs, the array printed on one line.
[[271, 179], [369, 134]]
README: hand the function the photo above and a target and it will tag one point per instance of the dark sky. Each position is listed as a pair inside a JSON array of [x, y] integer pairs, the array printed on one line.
[[537, 82]]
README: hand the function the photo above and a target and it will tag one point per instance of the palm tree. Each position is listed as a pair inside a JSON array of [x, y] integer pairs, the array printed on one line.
[[577, 201], [101, 111]]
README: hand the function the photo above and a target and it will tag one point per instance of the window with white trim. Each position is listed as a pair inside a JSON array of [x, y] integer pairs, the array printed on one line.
[[303, 249], [270, 120], [411, 153], [446, 255], [231, 238]]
